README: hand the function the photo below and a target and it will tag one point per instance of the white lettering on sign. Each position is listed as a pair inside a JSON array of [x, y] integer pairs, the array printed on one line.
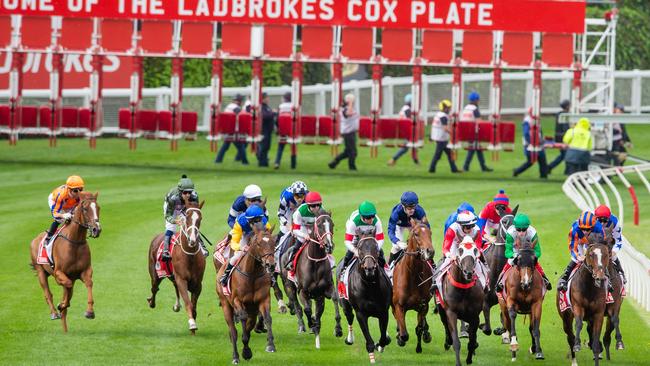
[[485, 14], [417, 8], [273, 8], [452, 15], [467, 7], [327, 12], [220, 8], [432, 15], [202, 8], [459, 13], [308, 9], [255, 9], [36, 5], [290, 9], [389, 11], [372, 10], [238, 8], [351, 12]]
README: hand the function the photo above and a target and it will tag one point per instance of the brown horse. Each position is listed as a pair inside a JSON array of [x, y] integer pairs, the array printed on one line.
[[250, 283], [524, 288], [187, 260], [588, 293], [613, 310], [463, 296], [71, 256], [411, 283]]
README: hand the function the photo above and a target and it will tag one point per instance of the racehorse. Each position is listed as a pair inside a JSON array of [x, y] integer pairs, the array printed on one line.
[[314, 277], [495, 259], [71, 255], [588, 291], [613, 310], [463, 299], [524, 295], [412, 279], [369, 291], [187, 260], [250, 291]]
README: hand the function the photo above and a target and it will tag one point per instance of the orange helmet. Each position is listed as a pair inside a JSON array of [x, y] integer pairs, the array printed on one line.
[[587, 220], [74, 181]]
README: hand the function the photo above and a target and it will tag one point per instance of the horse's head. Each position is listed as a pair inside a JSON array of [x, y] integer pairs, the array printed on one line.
[[505, 222], [86, 214], [368, 251], [467, 257], [191, 223], [323, 231], [597, 259], [420, 240], [262, 248]]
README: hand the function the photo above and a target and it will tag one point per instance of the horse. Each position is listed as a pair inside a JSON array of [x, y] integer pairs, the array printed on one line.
[[495, 259], [250, 283], [71, 255], [463, 298], [588, 293], [314, 277], [187, 260], [370, 293], [412, 279], [613, 310], [524, 295]]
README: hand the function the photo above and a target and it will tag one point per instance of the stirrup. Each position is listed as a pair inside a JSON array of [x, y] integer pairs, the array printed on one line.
[[562, 285]]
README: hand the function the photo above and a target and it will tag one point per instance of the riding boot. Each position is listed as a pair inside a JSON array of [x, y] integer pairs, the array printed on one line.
[[610, 288], [619, 269], [292, 253], [51, 231], [562, 283], [226, 274], [391, 259], [499, 285], [204, 249], [346, 260], [166, 256], [547, 282]]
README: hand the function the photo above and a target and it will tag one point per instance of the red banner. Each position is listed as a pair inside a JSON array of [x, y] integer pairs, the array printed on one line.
[[559, 16]]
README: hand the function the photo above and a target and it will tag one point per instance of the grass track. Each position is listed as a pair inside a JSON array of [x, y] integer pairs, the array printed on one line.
[[132, 185]]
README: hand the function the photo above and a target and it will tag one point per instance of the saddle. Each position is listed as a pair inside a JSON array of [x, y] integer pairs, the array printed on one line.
[[44, 253], [165, 269]]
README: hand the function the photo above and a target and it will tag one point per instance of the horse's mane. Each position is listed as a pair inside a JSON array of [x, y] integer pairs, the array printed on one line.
[[87, 196], [366, 231], [596, 238]]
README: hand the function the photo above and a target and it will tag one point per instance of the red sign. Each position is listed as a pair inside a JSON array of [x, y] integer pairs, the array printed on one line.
[[556, 16], [77, 68]]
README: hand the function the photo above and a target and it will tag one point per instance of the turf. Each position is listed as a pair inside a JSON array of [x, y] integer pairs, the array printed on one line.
[[132, 186]]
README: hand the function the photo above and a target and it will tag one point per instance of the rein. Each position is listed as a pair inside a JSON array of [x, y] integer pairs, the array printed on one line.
[[319, 240], [257, 260], [459, 284]]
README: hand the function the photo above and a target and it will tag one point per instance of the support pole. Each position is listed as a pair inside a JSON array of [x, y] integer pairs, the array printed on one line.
[[256, 100], [495, 144], [375, 105], [337, 100], [215, 101], [176, 102], [96, 111], [535, 144], [416, 107], [135, 98], [296, 99], [456, 102], [56, 95], [15, 94], [576, 90]]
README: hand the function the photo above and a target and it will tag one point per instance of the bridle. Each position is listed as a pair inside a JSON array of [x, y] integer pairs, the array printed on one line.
[[187, 231], [83, 211], [367, 255], [319, 240], [420, 251]]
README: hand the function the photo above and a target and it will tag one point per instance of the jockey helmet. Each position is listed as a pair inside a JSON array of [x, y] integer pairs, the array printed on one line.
[[254, 211], [252, 191], [587, 220], [603, 211], [74, 181], [408, 98], [444, 104], [185, 184], [409, 198], [466, 218], [474, 97], [313, 198], [464, 207], [521, 221], [366, 208], [501, 198], [298, 187]]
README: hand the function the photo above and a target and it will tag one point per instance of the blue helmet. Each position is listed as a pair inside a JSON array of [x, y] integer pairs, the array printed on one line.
[[409, 198], [254, 211], [474, 96], [407, 98], [465, 207]]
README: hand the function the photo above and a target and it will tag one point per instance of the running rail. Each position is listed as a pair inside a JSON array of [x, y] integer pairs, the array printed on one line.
[[579, 188]]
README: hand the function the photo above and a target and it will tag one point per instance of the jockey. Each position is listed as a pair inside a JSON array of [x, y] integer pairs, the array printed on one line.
[[400, 219], [610, 222], [173, 207], [62, 202], [578, 242], [490, 216], [465, 225], [452, 217], [290, 199], [252, 195], [240, 233], [304, 216], [526, 232], [365, 216]]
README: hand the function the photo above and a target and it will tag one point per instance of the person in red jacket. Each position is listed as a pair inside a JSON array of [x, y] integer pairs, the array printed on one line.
[[491, 214]]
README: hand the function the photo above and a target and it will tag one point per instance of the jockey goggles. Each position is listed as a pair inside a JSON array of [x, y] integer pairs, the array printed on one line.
[[76, 190], [299, 195], [255, 220], [189, 191], [501, 207], [409, 207], [368, 217], [521, 229], [602, 219], [255, 199], [314, 205], [467, 227]]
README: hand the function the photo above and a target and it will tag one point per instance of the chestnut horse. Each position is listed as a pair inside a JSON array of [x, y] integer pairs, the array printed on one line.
[[588, 293], [412, 278], [525, 295], [187, 260], [71, 255], [250, 285]]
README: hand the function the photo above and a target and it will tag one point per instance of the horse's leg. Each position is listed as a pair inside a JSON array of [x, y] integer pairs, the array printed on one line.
[[247, 326], [567, 326], [473, 344], [228, 315], [384, 339], [426, 335], [486, 328], [445, 324], [400, 317], [265, 311], [195, 297], [291, 294], [535, 321], [155, 286], [64, 305], [338, 331], [87, 278], [422, 327], [177, 305], [512, 314], [616, 322], [291, 300], [607, 337], [578, 314], [362, 319], [42, 280], [451, 323], [189, 308], [596, 328], [282, 307], [306, 305], [349, 316]]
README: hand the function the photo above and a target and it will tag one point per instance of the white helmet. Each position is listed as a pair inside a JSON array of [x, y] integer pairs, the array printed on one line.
[[466, 218], [298, 187], [252, 191]]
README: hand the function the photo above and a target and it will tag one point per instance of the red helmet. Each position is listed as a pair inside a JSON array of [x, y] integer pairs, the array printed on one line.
[[587, 220], [313, 198], [603, 211]]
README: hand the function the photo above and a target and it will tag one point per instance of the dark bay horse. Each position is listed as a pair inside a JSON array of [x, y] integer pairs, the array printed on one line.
[[314, 277], [412, 278], [525, 295], [588, 293], [71, 255], [370, 294], [250, 291], [495, 258], [463, 297], [613, 310], [187, 260]]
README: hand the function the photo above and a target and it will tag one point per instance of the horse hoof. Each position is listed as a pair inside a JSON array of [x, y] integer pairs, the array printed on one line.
[[152, 304], [576, 348], [260, 330], [447, 346], [338, 332], [89, 314], [620, 346], [192, 331], [426, 337], [176, 308], [301, 329], [235, 362], [539, 356], [463, 334], [349, 342], [418, 349], [55, 316], [600, 356], [487, 331], [400, 341], [270, 349], [499, 331], [505, 340], [247, 353], [379, 348], [282, 310]]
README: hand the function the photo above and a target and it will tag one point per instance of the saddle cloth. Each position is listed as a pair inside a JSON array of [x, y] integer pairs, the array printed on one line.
[[343, 281], [222, 251], [44, 253], [165, 268]]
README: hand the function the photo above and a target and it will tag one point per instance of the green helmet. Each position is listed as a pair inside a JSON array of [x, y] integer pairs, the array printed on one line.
[[185, 184], [522, 221], [366, 208]]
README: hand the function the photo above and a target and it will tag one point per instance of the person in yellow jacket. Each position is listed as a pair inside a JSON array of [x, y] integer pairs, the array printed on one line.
[[579, 143]]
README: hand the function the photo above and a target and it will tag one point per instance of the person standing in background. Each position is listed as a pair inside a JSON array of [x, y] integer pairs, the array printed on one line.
[[286, 107], [268, 121], [440, 130], [405, 112], [349, 128], [472, 113], [233, 107], [560, 130], [579, 143], [620, 139], [527, 135]]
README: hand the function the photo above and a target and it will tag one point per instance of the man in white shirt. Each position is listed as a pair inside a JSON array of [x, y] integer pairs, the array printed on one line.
[[349, 128]]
